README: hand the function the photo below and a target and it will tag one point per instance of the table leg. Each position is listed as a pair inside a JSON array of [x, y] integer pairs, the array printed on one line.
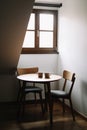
[[50, 103], [45, 92]]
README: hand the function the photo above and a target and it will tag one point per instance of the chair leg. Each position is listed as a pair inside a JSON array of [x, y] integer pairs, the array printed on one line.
[[52, 104], [22, 103], [72, 110], [63, 104], [41, 102], [19, 109], [45, 94], [19, 94], [35, 97], [19, 103]]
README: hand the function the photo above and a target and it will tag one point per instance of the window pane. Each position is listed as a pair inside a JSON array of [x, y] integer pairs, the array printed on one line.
[[46, 40], [31, 24], [46, 22], [29, 40]]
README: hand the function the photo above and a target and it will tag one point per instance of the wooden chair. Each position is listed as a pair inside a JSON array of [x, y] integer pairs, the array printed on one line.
[[26, 89], [63, 94]]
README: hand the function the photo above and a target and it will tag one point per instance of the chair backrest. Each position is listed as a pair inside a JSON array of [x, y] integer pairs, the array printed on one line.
[[68, 76], [27, 70]]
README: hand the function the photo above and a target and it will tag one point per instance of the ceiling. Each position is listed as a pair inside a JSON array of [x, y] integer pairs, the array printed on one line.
[[49, 1]]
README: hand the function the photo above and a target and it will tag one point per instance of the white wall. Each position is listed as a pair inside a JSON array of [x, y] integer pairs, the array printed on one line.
[[73, 48], [45, 62]]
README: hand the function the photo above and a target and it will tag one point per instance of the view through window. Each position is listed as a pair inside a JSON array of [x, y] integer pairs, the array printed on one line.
[[41, 33]]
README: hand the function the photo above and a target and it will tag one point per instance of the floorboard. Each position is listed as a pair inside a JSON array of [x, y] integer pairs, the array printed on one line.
[[34, 120]]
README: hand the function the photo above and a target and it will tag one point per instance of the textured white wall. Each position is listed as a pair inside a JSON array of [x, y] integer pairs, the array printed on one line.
[[45, 62], [73, 48]]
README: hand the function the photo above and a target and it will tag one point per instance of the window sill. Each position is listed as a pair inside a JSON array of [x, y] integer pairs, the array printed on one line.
[[40, 51]]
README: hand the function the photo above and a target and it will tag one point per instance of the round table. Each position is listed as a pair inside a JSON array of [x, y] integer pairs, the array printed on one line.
[[34, 78]]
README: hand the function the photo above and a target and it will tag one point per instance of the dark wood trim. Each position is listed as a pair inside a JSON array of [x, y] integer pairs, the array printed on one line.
[[39, 51], [48, 5]]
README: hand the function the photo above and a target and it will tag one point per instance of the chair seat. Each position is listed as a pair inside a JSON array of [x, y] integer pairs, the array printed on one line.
[[59, 93], [32, 89]]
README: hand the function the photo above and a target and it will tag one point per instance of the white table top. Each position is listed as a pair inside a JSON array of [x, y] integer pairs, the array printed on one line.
[[34, 78]]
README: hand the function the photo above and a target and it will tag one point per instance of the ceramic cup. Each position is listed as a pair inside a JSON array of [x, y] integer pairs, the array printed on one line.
[[40, 75], [47, 75]]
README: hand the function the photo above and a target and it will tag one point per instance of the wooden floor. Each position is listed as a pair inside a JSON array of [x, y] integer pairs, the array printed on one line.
[[34, 120]]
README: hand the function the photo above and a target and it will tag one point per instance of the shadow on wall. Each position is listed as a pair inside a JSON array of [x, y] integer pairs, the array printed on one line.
[[14, 17]]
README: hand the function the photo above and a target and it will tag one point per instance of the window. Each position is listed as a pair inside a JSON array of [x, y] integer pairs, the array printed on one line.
[[41, 34]]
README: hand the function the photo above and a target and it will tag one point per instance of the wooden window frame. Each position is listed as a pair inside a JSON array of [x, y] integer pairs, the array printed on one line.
[[38, 50]]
